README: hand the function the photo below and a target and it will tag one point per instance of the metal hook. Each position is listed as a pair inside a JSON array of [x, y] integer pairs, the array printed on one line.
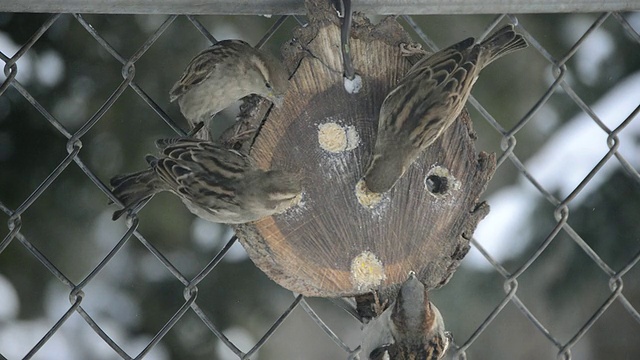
[[345, 9]]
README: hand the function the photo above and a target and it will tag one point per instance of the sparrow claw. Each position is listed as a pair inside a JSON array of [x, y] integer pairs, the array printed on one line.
[[412, 49], [379, 307]]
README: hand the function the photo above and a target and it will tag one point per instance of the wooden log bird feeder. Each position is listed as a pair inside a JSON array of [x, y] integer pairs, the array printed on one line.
[[330, 244]]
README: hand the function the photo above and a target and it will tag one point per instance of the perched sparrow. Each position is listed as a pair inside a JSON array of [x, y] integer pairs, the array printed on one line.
[[427, 101], [411, 328], [224, 73], [215, 183]]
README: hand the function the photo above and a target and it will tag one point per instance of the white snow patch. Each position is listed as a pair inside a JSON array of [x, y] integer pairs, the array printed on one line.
[[565, 160]]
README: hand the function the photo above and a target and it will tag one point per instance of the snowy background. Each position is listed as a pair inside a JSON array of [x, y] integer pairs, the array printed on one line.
[[70, 75]]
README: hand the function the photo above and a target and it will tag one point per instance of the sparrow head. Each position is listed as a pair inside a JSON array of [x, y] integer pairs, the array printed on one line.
[[269, 192], [273, 81], [411, 328], [383, 172]]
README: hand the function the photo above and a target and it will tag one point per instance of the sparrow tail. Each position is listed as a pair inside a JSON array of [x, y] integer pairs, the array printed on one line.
[[502, 42]]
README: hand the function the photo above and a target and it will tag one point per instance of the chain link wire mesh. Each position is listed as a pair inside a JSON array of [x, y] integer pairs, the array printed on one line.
[[618, 273]]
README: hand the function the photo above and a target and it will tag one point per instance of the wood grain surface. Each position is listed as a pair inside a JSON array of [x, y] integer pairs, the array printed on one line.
[[420, 225]]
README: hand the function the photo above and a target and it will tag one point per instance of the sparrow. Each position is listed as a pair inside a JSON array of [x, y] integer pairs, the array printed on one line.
[[224, 73], [427, 100], [215, 183], [411, 328]]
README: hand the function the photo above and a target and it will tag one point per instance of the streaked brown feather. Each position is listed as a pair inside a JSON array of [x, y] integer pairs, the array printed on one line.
[[427, 100], [195, 167], [202, 65]]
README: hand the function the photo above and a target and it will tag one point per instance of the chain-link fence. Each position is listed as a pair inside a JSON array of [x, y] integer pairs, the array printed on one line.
[[552, 272]]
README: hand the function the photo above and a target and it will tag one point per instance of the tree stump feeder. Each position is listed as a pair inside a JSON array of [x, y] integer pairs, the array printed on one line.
[[330, 244]]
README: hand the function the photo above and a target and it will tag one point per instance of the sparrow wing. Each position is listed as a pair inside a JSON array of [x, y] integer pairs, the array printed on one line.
[[421, 106], [203, 172]]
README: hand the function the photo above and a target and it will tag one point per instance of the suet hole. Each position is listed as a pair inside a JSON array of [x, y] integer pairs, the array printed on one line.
[[367, 271], [335, 138], [439, 182], [365, 197], [436, 184]]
